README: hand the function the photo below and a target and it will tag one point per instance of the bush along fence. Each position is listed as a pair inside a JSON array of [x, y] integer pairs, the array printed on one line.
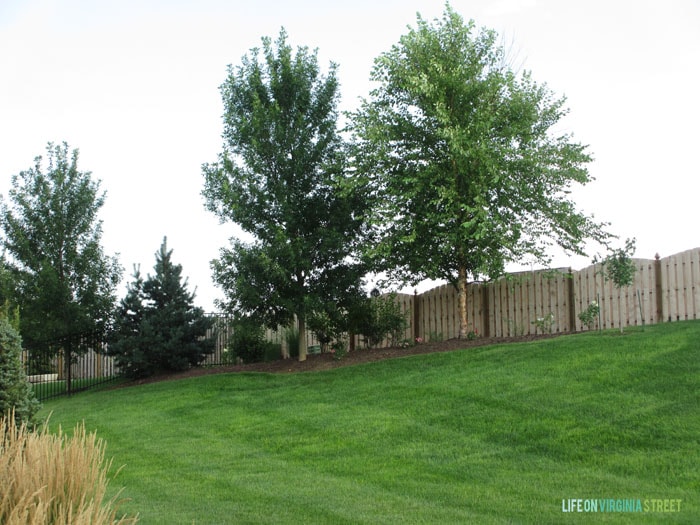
[[551, 301], [526, 303], [542, 301], [68, 364]]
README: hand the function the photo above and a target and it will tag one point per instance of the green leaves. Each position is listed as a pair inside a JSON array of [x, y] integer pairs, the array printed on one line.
[[282, 178], [64, 282], [619, 267], [460, 147]]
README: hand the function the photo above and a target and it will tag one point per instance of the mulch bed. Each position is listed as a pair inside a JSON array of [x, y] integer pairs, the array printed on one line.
[[326, 361]]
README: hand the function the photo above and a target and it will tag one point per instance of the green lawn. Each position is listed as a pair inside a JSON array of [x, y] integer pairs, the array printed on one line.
[[497, 434]]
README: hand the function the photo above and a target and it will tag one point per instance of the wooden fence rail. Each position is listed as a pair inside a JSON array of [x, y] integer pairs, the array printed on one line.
[[664, 289], [526, 303]]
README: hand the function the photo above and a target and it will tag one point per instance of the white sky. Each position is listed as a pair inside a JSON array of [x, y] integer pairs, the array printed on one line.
[[133, 84]]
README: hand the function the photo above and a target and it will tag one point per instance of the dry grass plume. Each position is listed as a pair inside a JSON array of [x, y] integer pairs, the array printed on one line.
[[54, 479]]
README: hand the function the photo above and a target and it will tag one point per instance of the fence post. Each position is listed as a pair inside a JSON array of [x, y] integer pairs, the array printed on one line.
[[416, 315], [484, 289], [658, 289], [69, 358], [571, 299]]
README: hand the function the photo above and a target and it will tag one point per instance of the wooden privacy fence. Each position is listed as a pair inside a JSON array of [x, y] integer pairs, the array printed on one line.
[[524, 303], [664, 289]]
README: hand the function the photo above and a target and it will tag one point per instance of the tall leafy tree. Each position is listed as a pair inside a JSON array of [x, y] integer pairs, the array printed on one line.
[[281, 178], [158, 329], [462, 158], [64, 282]]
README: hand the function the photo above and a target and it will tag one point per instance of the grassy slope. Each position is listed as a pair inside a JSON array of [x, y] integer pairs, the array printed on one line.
[[491, 435]]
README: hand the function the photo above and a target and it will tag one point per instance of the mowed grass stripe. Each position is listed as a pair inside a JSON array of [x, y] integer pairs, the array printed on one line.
[[488, 435]]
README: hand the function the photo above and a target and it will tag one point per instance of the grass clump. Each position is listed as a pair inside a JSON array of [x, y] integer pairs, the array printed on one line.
[[53, 478]]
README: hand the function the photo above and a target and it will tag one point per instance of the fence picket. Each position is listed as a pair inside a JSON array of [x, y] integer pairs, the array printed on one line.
[[669, 290]]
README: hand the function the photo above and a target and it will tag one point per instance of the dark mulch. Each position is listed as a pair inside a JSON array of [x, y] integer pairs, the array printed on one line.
[[326, 361]]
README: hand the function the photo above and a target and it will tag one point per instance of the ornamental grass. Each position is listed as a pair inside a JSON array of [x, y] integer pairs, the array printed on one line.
[[54, 479]]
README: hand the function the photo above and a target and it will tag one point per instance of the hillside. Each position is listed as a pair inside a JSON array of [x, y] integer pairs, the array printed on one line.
[[490, 434]]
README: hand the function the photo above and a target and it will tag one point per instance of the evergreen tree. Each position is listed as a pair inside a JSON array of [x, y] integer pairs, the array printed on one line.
[[158, 329], [15, 391]]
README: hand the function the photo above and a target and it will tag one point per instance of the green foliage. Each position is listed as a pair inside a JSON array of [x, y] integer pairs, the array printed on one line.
[[330, 322], [158, 328], [590, 315], [379, 318], [10, 313], [461, 156], [16, 393], [544, 324], [339, 349], [61, 278], [435, 337], [291, 336], [281, 177], [248, 343], [619, 267]]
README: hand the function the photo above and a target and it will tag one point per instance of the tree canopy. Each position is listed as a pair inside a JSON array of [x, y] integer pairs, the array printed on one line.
[[64, 282], [281, 178], [462, 159]]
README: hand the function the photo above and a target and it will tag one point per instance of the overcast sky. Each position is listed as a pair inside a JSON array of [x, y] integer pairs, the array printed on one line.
[[133, 84]]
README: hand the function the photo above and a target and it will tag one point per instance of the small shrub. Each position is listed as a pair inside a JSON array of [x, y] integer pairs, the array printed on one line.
[[248, 343], [54, 479], [619, 268], [544, 324], [339, 349], [291, 336], [326, 325], [379, 318], [436, 337], [16, 394], [590, 314], [273, 351]]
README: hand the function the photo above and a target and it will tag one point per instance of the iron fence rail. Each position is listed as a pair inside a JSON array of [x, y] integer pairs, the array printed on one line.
[[68, 364]]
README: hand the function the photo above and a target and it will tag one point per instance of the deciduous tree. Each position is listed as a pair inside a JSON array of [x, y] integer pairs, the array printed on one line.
[[462, 157], [280, 177], [64, 282]]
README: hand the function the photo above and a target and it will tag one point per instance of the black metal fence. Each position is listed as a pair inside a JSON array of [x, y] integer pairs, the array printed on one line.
[[75, 363], [68, 364]]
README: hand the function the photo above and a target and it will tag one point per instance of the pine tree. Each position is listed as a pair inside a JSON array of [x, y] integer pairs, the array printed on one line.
[[158, 328], [125, 342]]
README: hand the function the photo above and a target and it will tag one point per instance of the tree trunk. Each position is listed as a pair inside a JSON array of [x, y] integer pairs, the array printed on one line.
[[462, 289], [302, 338]]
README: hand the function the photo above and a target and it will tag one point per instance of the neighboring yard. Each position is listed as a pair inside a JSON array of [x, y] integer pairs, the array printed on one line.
[[496, 434]]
